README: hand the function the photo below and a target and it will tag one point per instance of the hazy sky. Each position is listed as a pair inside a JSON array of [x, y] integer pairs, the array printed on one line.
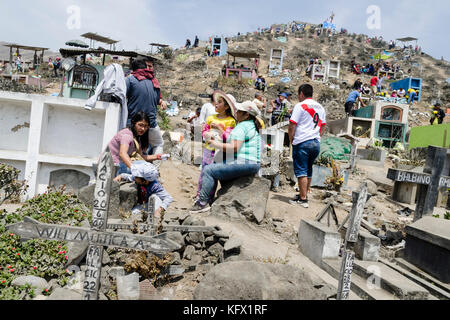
[[138, 22]]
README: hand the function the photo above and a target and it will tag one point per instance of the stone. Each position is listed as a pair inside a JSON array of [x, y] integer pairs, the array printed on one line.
[[216, 250], [177, 237], [372, 187], [128, 287], [188, 252], [40, 297], [318, 241], [64, 294], [233, 244], [147, 291], [176, 259], [198, 245], [76, 251], [75, 282], [221, 234], [209, 240], [37, 282], [105, 259], [428, 246], [188, 221], [127, 196], [102, 296], [195, 237], [114, 272], [86, 195], [53, 284], [243, 198], [260, 281]]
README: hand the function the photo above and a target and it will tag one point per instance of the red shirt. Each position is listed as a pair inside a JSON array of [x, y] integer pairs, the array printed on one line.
[[373, 81]]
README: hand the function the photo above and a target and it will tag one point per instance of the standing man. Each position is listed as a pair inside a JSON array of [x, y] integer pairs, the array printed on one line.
[[373, 84], [437, 114], [144, 94], [306, 126], [350, 102]]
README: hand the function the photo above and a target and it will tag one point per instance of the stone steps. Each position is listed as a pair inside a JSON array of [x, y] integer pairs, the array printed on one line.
[[434, 286], [359, 284], [391, 280]]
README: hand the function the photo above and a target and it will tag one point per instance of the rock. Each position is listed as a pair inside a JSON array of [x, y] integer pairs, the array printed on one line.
[[128, 287], [372, 187], [86, 195], [177, 237], [76, 251], [195, 261], [105, 284], [210, 240], [195, 237], [186, 190], [216, 250], [197, 222], [64, 294], [75, 282], [188, 252], [101, 296], [40, 297], [37, 282], [105, 259], [176, 259], [183, 216], [233, 244], [114, 272], [198, 245], [188, 221], [221, 234], [260, 281], [147, 291], [243, 198], [53, 284], [127, 196]]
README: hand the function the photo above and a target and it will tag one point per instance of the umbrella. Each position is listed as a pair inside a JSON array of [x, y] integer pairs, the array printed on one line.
[[77, 43]]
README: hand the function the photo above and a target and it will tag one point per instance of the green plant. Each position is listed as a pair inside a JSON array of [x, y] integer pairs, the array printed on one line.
[[436, 216], [447, 215], [41, 258], [164, 124], [10, 186]]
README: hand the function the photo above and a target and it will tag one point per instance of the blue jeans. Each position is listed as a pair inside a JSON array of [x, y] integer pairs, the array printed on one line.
[[303, 155], [224, 172], [123, 169], [412, 97]]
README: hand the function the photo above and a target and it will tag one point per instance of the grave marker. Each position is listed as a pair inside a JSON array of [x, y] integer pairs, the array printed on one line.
[[351, 237], [97, 236], [429, 182]]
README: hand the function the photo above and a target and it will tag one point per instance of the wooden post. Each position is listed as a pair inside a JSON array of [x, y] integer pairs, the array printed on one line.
[[345, 275], [427, 194], [10, 55], [99, 218]]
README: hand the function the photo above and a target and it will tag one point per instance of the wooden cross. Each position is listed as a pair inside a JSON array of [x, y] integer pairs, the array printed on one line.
[[97, 236], [429, 182], [345, 275]]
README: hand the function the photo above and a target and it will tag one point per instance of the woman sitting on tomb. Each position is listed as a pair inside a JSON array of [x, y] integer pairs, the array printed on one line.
[[127, 145]]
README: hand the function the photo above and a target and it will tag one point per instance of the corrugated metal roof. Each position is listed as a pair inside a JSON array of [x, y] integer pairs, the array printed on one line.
[[243, 54], [15, 45], [66, 52], [96, 37]]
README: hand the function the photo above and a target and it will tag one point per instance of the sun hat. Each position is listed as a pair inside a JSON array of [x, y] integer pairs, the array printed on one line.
[[249, 107], [145, 170], [231, 101]]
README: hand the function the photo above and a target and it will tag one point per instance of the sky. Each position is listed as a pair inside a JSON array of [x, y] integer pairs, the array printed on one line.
[[136, 23]]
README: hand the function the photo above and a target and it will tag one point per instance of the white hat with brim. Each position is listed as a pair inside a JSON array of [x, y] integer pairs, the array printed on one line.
[[231, 101], [249, 107], [145, 170]]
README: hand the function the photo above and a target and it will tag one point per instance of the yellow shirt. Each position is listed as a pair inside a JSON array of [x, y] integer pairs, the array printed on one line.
[[227, 123]]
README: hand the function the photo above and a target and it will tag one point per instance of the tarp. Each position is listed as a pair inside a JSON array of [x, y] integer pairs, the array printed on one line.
[[386, 55], [336, 148]]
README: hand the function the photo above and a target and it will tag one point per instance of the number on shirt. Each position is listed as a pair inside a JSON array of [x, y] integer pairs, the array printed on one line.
[[316, 119]]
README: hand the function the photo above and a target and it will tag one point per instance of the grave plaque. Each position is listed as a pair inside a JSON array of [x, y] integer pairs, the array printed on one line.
[[351, 237]]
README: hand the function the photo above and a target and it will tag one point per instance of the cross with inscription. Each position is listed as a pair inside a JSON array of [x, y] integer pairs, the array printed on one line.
[[430, 181], [351, 237], [97, 236]]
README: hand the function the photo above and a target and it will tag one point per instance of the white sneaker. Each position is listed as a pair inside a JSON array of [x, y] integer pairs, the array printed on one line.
[[137, 209]]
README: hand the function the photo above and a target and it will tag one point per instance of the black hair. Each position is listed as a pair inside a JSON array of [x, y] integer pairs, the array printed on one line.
[[255, 121], [143, 140], [198, 110], [138, 63], [307, 90], [229, 111]]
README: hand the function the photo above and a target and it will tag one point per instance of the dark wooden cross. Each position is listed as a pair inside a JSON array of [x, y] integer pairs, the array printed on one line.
[[97, 237], [430, 181], [351, 237]]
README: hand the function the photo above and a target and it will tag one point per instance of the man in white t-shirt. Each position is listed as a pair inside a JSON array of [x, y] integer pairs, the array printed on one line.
[[208, 109], [306, 126]]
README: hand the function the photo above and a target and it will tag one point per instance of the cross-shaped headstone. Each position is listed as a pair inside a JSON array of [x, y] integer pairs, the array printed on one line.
[[351, 237], [429, 182], [97, 236]]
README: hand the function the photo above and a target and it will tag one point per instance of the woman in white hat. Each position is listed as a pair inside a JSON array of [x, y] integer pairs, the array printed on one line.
[[243, 150], [218, 127]]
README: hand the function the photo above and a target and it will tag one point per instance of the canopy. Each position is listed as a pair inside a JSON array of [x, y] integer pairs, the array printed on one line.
[[384, 56], [96, 37], [243, 54], [19, 46], [77, 43], [406, 39]]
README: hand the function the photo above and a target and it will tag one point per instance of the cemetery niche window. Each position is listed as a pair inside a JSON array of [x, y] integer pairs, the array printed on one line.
[[84, 77], [391, 113]]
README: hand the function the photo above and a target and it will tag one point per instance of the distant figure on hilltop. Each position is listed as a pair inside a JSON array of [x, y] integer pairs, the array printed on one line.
[[188, 44], [195, 42]]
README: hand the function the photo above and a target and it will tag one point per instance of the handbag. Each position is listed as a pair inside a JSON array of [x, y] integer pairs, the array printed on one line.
[[136, 155]]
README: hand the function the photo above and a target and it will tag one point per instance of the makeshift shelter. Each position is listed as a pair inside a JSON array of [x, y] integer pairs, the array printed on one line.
[[95, 37], [37, 60], [244, 72]]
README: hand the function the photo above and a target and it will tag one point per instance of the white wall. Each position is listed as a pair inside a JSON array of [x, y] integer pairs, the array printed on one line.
[[61, 135]]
